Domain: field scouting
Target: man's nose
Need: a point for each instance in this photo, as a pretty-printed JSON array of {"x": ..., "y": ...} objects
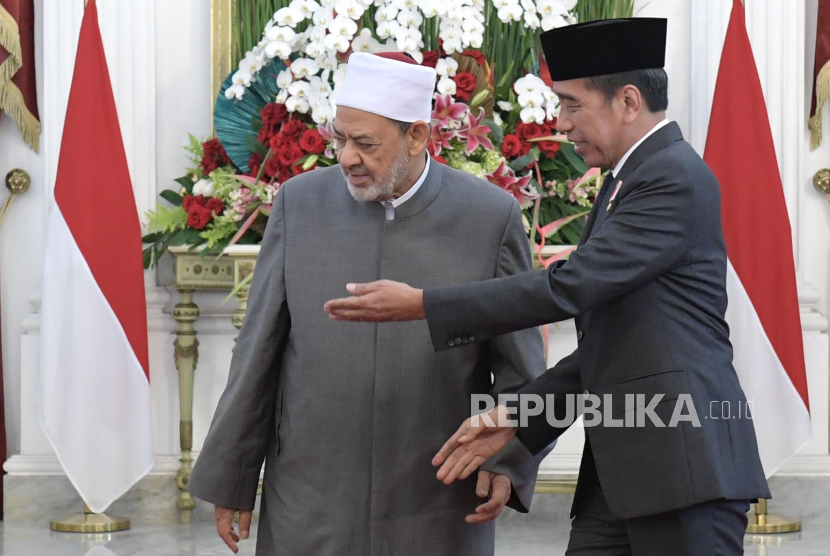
[
  {"x": 348, "y": 156},
  {"x": 563, "y": 123}
]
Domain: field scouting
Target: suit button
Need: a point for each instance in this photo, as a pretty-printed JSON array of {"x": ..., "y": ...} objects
[
  {"x": 472, "y": 339},
  {"x": 465, "y": 340},
  {"x": 579, "y": 335},
  {"x": 450, "y": 343},
  {"x": 458, "y": 341}
]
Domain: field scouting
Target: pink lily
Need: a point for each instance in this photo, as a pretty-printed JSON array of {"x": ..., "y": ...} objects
[
  {"x": 505, "y": 178},
  {"x": 446, "y": 110},
  {"x": 440, "y": 138},
  {"x": 476, "y": 134}
]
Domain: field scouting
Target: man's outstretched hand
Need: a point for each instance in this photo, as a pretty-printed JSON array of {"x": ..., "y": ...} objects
[
  {"x": 475, "y": 441},
  {"x": 382, "y": 301}
]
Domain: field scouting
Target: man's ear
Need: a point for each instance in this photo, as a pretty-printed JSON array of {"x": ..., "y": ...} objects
[
  {"x": 418, "y": 136},
  {"x": 634, "y": 103}
]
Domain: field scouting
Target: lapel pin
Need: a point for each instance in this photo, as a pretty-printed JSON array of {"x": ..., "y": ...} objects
[{"x": 614, "y": 195}]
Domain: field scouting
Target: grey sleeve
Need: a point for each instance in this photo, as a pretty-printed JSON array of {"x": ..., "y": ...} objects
[
  {"x": 515, "y": 360},
  {"x": 228, "y": 468},
  {"x": 648, "y": 233}
]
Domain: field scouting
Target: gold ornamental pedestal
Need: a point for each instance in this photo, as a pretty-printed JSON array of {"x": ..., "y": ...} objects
[
  {"x": 762, "y": 523},
  {"x": 90, "y": 522}
]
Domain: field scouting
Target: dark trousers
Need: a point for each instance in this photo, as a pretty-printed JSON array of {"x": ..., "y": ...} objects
[{"x": 710, "y": 529}]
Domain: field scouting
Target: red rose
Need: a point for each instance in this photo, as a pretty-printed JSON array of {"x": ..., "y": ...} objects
[
  {"x": 284, "y": 175},
  {"x": 529, "y": 131},
  {"x": 478, "y": 55},
  {"x": 215, "y": 205},
  {"x": 273, "y": 166},
  {"x": 198, "y": 217},
  {"x": 273, "y": 114},
  {"x": 189, "y": 200},
  {"x": 255, "y": 161},
  {"x": 511, "y": 147},
  {"x": 430, "y": 58},
  {"x": 465, "y": 81},
  {"x": 264, "y": 135},
  {"x": 214, "y": 156},
  {"x": 550, "y": 148},
  {"x": 279, "y": 141},
  {"x": 293, "y": 128},
  {"x": 312, "y": 142},
  {"x": 290, "y": 154}
]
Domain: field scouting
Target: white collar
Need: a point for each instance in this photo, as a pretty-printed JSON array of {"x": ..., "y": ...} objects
[
  {"x": 414, "y": 189},
  {"x": 623, "y": 160}
]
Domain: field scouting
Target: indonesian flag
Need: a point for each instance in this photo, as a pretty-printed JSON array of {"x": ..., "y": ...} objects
[
  {"x": 93, "y": 388},
  {"x": 763, "y": 313}
]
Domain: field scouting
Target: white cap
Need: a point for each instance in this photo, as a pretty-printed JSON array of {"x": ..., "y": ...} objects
[{"x": 388, "y": 86}]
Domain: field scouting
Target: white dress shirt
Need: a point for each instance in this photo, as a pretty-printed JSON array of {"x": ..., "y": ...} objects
[{"x": 633, "y": 148}]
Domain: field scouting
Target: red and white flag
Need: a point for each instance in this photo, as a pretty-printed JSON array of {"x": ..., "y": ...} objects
[
  {"x": 763, "y": 312},
  {"x": 93, "y": 386}
]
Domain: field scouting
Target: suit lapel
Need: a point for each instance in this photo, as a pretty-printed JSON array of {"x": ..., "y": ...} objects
[{"x": 661, "y": 139}]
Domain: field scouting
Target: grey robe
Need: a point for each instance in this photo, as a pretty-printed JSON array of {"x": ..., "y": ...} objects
[{"x": 348, "y": 416}]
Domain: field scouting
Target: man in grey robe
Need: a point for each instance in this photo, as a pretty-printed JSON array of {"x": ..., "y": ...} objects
[{"x": 348, "y": 417}]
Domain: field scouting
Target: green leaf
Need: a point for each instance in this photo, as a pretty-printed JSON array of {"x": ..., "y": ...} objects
[
  {"x": 171, "y": 197},
  {"x": 520, "y": 163},
  {"x": 576, "y": 161},
  {"x": 148, "y": 257},
  {"x": 255, "y": 146},
  {"x": 496, "y": 130},
  {"x": 149, "y": 238},
  {"x": 187, "y": 183},
  {"x": 256, "y": 123}
]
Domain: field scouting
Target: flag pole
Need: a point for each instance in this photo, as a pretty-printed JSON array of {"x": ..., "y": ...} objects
[
  {"x": 762, "y": 523},
  {"x": 89, "y": 521}
]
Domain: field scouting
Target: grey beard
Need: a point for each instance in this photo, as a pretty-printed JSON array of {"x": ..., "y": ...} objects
[{"x": 385, "y": 186}]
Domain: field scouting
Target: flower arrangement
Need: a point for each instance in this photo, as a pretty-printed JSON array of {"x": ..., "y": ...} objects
[{"x": 494, "y": 113}]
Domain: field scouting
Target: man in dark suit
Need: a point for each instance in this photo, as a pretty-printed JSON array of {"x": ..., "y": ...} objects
[{"x": 647, "y": 287}]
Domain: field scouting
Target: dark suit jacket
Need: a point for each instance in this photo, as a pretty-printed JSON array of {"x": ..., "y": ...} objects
[{"x": 647, "y": 287}]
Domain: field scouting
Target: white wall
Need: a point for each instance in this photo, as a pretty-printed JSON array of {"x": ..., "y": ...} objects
[{"x": 159, "y": 57}]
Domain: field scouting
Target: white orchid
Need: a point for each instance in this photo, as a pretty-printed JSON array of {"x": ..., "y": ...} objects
[
  {"x": 242, "y": 77},
  {"x": 446, "y": 67},
  {"x": 409, "y": 40},
  {"x": 430, "y": 8},
  {"x": 342, "y": 26},
  {"x": 531, "y": 20},
  {"x": 323, "y": 16},
  {"x": 203, "y": 187},
  {"x": 319, "y": 88},
  {"x": 532, "y": 114},
  {"x": 365, "y": 42},
  {"x": 282, "y": 97},
  {"x": 350, "y": 8},
  {"x": 410, "y": 18},
  {"x": 235, "y": 91},
  {"x": 446, "y": 86},
  {"x": 499, "y": 4},
  {"x": 297, "y": 104},
  {"x": 304, "y": 68},
  {"x": 282, "y": 34},
  {"x": 505, "y": 106},
  {"x": 512, "y": 12},
  {"x": 285, "y": 78},
  {"x": 339, "y": 76},
  {"x": 387, "y": 29},
  {"x": 551, "y": 103},
  {"x": 337, "y": 42},
  {"x": 386, "y": 13},
  {"x": 278, "y": 49},
  {"x": 553, "y": 22},
  {"x": 289, "y": 16},
  {"x": 308, "y": 7},
  {"x": 316, "y": 49},
  {"x": 529, "y": 84}
]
